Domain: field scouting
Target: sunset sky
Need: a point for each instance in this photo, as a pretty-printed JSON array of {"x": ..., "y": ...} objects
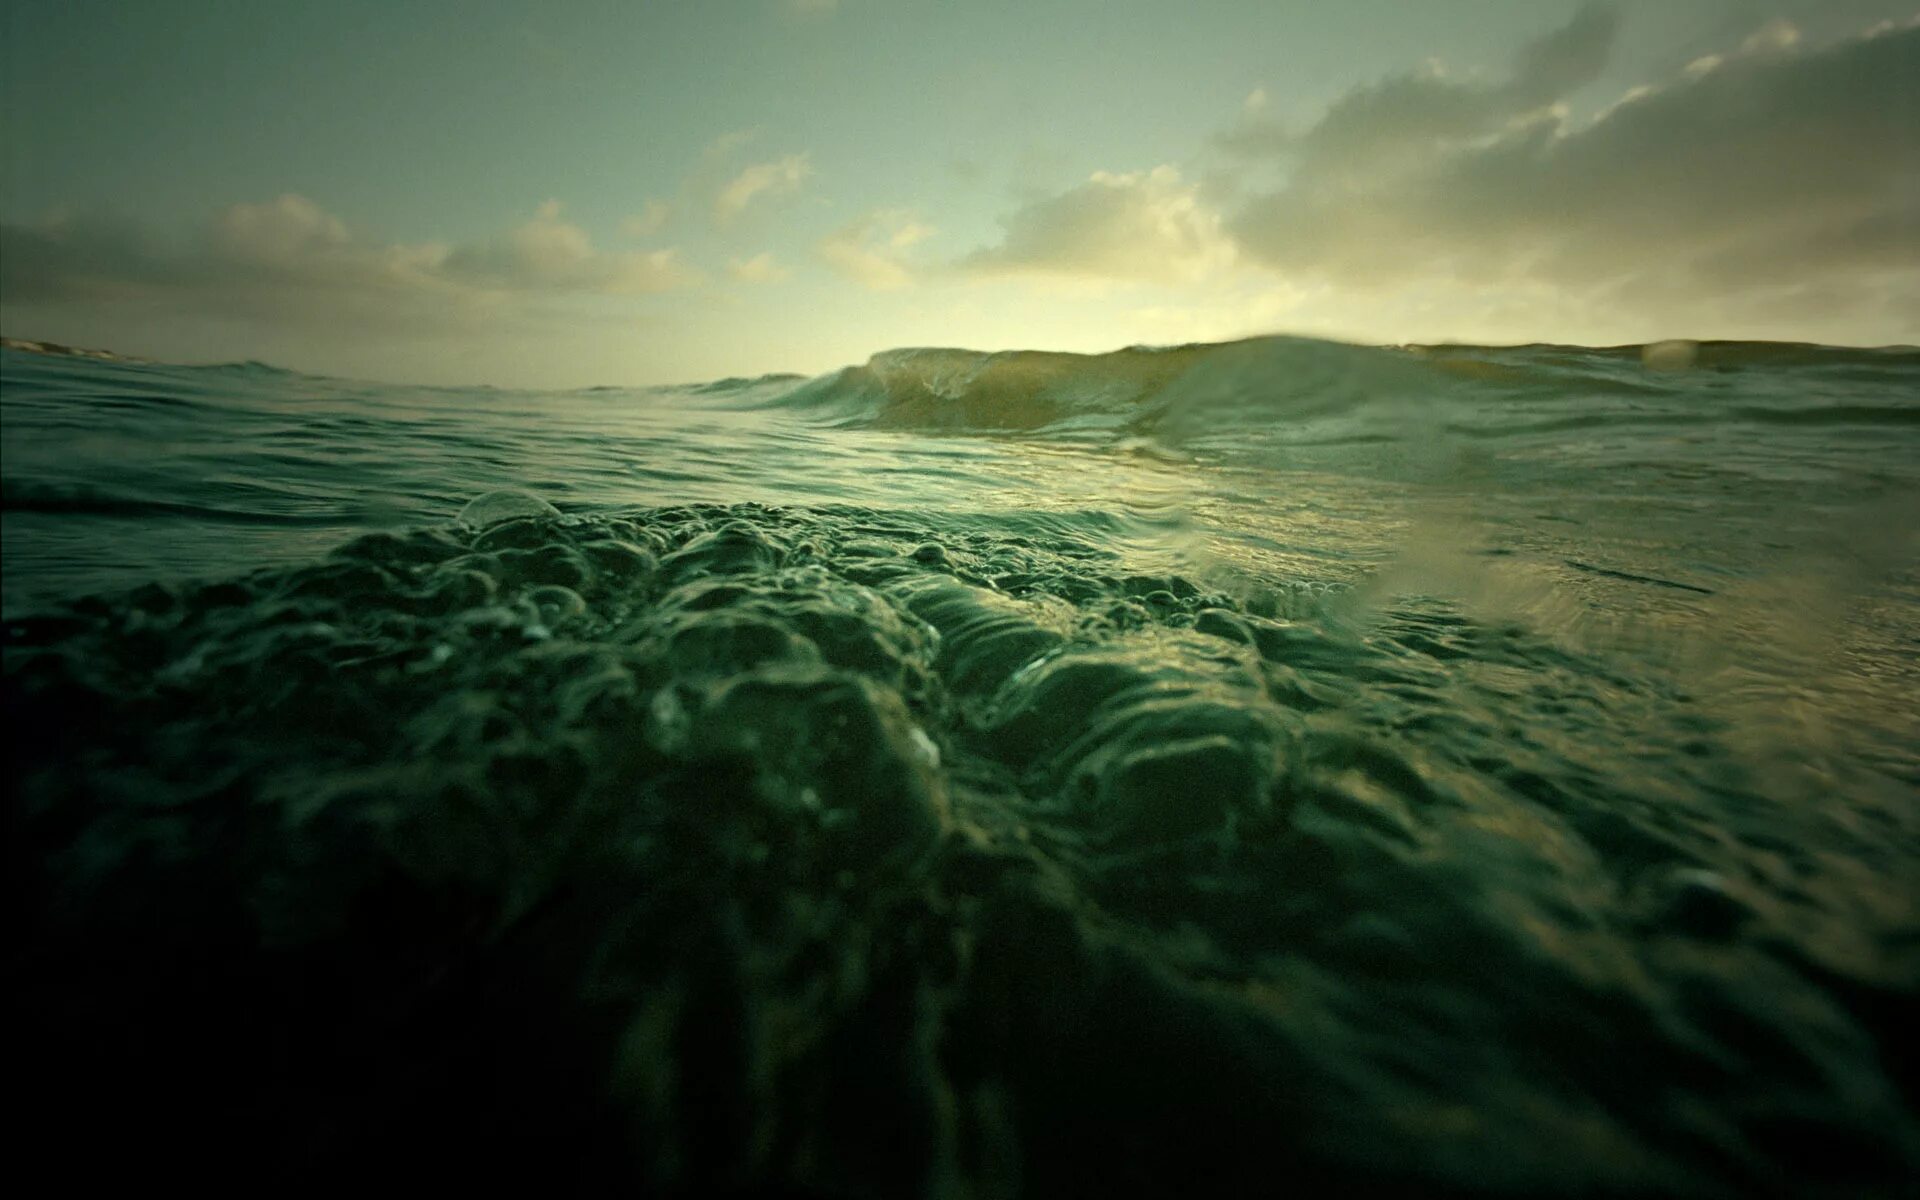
[{"x": 566, "y": 194}]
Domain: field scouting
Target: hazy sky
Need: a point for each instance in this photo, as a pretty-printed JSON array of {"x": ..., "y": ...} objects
[{"x": 574, "y": 193}]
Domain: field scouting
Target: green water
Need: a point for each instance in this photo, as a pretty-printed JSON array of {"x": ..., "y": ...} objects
[{"x": 1277, "y": 766}]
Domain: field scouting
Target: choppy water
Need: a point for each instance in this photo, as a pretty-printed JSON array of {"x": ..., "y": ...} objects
[{"x": 1278, "y": 764}]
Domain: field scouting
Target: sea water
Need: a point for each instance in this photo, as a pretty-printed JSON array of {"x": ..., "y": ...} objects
[{"x": 1280, "y": 764}]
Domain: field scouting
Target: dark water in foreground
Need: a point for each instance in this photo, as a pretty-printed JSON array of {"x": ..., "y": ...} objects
[{"x": 1279, "y": 766}]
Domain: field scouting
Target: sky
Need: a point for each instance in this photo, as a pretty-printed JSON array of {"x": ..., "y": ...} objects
[{"x": 569, "y": 194}]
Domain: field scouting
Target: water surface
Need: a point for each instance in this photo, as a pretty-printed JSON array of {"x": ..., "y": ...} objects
[{"x": 1453, "y": 769}]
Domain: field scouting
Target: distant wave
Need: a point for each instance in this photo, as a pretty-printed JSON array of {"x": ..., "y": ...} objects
[
  {"x": 741, "y": 383},
  {"x": 1732, "y": 355},
  {"x": 61, "y": 350},
  {"x": 937, "y": 388},
  {"x": 1180, "y": 392}
]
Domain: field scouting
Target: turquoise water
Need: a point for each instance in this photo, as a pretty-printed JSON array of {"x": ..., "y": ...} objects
[{"x": 1462, "y": 770}]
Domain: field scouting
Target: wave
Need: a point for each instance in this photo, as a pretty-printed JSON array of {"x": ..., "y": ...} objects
[
  {"x": 1198, "y": 391},
  {"x": 811, "y": 819},
  {"x": 739, "y": 383},
  {"x": 1734, "y": 355},
  {"x": 1182, "y": 393},
  {"x": 24, "y": 496},
  {"x": 61, "y": 350},
  {"x": 1138, "y": 387}
]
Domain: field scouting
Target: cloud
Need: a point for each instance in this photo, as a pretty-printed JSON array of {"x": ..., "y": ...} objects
[
  {"x": 871, "y": 249},
  {"x": 1143, "y": 226},
  {"x": 279, "y": 232},
  {"x": 250, "y": 259},
  {"x": 1769, "y": 166},
  {"x": 287, "y": 261},
  {"x": 648, "y": 221},
  {"x": 761, "y": 268},
  {"x": 725, "y": 185},
  {"x": 1563, "y": 61},
  {"x": 777, "y": 177},
  {"x": 549, "y": 254},
  {"x": 1408, "y": 118},
  {"x": 1417, "y": 113},
  {"x": 1257, "y": 133},
  {"x": 1770, "y": 188}
]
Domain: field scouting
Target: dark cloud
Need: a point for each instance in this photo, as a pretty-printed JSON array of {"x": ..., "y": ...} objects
[
  {"x": 287, "y": 260},
  {"x": 1565, "y": 60},
  {"x": 1416, "y": 113},
  {"x": 550, "y": 254},
  {"x": 64, "y": 262},
  {"x": 1771, "y": 165},
  {"x": 1771, "y": 189}
]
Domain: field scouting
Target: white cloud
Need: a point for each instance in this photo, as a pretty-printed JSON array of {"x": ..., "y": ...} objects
[
  {"x": 725, "y": 184},
  {"x": 1256, "y": 130},
  {"x": 650, "y": 220},
  {"x": 1142, "y": 226},
  {"x": 871, "y": 249},
  {"x": 761, "y": 268},
  {"x": 777, "y": 177}
]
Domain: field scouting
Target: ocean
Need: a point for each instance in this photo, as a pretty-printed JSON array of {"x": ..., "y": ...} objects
[{"x": 1278, "y": 765}]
